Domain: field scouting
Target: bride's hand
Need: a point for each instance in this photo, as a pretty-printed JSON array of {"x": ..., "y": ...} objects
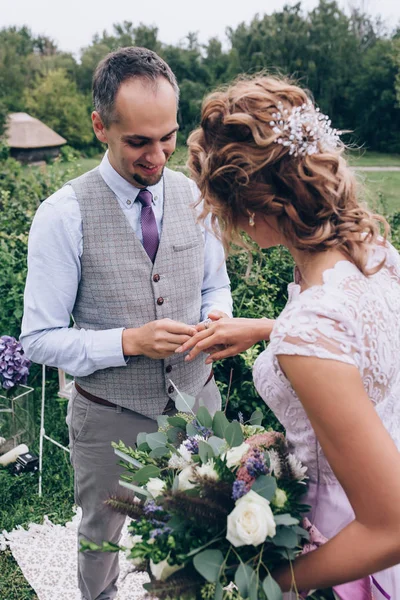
[{"x": 226, "y": 337}]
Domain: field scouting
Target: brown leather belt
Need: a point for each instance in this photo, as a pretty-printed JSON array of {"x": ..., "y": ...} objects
[{"x": 170, "y": 404}]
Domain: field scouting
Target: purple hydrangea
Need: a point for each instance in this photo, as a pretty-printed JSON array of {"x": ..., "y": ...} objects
[
  {"x": 160, "y": 531},
  {"x": 192, "y": 445},
  {"x": 151, "y": 507},
  {"x": 239, "y": 489},
  {"x": 255, "y": 465},
  {"x": 14, "y": 366}
]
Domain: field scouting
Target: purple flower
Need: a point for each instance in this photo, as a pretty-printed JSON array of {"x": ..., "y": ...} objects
[
  {"x": 204, "y": 431},
  {"x": 255, "y": 464},
  {"x": 160, "y": 531},
  {"x": 14, "y": 366},
  {"x": 192, "y": 445},
  {"x": 239, "y": 489},
  {"x": 151, "y": 507}
]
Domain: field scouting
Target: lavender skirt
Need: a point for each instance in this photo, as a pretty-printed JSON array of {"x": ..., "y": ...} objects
[{"x": 330, "y": 512}]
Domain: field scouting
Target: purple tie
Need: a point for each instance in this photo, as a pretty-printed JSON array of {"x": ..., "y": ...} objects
[{"x": 149, "y": 225}]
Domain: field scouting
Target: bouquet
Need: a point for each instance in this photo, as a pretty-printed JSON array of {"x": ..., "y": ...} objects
[
  {"x": 14, "y": 366},
  {"x": 217, "y": 506}
]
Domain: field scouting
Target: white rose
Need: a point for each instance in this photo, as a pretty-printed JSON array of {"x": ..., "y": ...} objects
[
  {"x": 155, "y": 486},
  {"x": 208, "y": 470},
  {"x": 235, "y": 455},
  {"x": 185, "y": 479},
  {"x": 251, "y": 521},
  {"x": 163, "y": 570}
]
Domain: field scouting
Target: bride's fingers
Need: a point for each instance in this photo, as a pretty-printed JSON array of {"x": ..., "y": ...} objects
[
  {"x": 228, "y": 351},
  {"x": 198, "y": 337},
  {"x": 207, "y": 344}
]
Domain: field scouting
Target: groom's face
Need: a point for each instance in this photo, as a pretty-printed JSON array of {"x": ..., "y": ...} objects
[{"x": 143, "y": 136}]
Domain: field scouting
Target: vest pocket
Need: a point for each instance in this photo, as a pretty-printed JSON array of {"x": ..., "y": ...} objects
[{"x": 186, "y": 246}]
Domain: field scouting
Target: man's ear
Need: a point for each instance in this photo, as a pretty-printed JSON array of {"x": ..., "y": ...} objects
[{"x": 98, "y": 127}]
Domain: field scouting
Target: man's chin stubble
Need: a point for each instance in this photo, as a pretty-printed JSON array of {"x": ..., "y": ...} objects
[{"x": 143, "y": 181}]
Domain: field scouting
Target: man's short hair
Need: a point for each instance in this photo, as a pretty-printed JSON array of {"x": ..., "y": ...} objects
[{"x": 121, "y": 65}]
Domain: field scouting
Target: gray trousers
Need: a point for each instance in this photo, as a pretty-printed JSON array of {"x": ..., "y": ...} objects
[{"x": 92, "y": 428}]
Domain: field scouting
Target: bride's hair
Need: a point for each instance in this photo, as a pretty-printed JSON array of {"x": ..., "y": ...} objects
[{"x": 242, "y": 165}]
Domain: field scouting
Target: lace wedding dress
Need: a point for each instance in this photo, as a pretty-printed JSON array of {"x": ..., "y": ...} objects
[{"x": 356, "y": 320}]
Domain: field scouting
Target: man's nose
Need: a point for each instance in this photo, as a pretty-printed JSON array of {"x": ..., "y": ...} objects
[{"x": 156, "y": 155}]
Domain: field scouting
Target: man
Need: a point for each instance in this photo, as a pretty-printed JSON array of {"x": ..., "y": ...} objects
[{"x": 119, "y": 249}]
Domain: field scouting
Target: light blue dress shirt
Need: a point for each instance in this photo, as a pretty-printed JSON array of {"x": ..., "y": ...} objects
[{"x": 54, "y": 271}]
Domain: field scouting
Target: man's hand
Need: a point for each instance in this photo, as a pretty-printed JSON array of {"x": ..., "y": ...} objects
[{"x": 157, "y": 339}]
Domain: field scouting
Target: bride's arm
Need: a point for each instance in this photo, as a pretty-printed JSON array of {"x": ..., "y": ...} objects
[
  {"x": 227, "y": 337},
  {"x": 365, "y": 461}
]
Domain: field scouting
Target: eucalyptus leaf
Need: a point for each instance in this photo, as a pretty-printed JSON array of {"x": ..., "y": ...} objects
[
  {"x": 144, "y": 447},
  {"x": 272, "y": 589},
  {"x": 191, "y": 430},
  {"x": 205, "y": 451},
  {"x": 162, "y": 421},
  {"x": 159, "y": 452},
  {"x": 265, "y": 486},
  {"x": 285, "y": 519},
  {"x": 217, "y": 444},
  {"x": 177, "y": 524},
  {"x": 243, "y": 578},
  {"x": 184, "y": 402},
  {"x": 234, "y": 434},
  {"x": 143, "y": 475},
  {"x": 155, "y": 440},
  {"x": 285, "y": 536},
  {"x": 208, "y": 564},
  {"x": 173, "y": 434},
  {"x": 220, "y": 423},
  {"x": 300, "y": 531},
  {"x": 177, "y": 422},
  {"x": 256, "y": 418},
  {"x": 204, "y": 417},
  {"x": 141, "y": 438}
]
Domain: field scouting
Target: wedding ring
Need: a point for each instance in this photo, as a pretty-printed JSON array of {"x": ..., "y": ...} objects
[{"x": 207, "y": 323}]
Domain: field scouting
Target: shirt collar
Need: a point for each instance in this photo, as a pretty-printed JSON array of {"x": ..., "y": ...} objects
[{"x": 125, "y": 190}]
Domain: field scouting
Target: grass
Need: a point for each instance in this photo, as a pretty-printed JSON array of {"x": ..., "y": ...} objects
[{"x": 363, "y": 158}]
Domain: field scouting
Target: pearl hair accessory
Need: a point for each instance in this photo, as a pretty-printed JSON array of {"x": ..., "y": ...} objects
[{"x": 304, "y": 129}]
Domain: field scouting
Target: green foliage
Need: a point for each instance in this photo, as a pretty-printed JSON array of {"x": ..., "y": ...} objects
[
  {"x": 262, "y": 293},
  {"x": 55, "y": 100}
]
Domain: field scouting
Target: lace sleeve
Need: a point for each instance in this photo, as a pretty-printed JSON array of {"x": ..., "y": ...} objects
[{"x": 313, "y": 329}]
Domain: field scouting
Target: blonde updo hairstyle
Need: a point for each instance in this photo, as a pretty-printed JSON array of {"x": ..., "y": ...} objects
[{"x": 240, "y": 169}]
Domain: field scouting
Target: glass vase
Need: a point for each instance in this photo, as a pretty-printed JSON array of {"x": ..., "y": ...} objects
[{"x": 16, "y": 420}]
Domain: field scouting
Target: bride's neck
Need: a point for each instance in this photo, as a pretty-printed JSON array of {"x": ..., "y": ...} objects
[{"x": 311, "y": 266}]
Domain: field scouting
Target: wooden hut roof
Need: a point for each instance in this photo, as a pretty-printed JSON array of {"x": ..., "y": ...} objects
[{"x": 24, "y": 131}]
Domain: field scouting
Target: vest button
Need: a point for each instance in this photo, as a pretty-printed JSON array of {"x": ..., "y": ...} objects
[
  {"x": 156, "y": 277},
  {"x": 168, "y": 369},
  {"x": 160, "y": 301},
  {"x": 170, "y": 389}
]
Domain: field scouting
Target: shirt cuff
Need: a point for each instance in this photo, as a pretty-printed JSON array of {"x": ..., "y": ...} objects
[{"x": 107, "y": 348}]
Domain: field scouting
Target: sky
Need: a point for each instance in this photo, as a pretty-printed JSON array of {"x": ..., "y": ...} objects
[{"x": 72, "y": 23}]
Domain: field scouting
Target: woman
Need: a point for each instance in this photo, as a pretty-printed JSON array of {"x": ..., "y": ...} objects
[{"x": 268, "y": 163}]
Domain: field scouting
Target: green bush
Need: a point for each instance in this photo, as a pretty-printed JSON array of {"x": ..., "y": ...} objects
[{"x": 21, "y": 191}]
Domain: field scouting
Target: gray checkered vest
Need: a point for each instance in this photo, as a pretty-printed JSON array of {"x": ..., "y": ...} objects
[{"x": 121, "y": 287}]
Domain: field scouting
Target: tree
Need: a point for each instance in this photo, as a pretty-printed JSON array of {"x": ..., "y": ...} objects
[{"x": 55, "y": 100}]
